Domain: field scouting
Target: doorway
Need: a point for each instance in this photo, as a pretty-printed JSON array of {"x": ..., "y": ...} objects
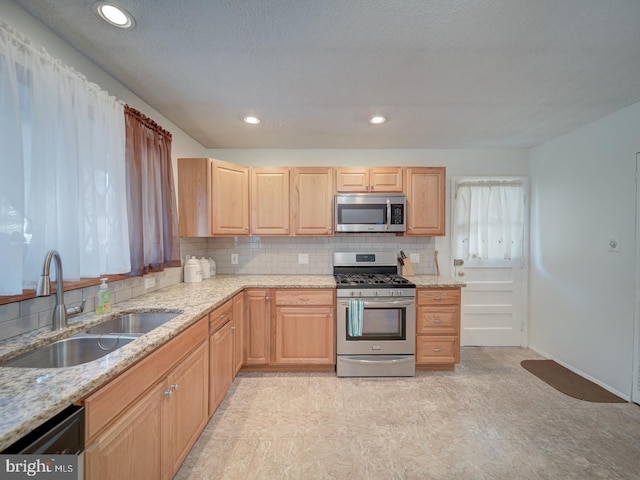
[{"x": 490, "y": 231}]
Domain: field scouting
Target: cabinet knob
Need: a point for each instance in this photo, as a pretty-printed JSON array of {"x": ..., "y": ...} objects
[
  {"x": 233, "y": 328},
  {"x": 175, "y": 386},
  {"x": 169, "y": 393},
  {"x": 437, "y": 297},
  {"x": 267, "y": 298}
]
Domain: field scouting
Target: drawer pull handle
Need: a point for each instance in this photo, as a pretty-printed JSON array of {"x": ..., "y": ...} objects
[
  {"x": 304, "y": 299},
  {"x": 437, "y": 320},
  {"x": 436, "y": 349},
  {"x": 437, "y": 297}
]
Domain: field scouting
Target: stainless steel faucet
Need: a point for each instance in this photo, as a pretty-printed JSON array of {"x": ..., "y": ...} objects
[{"x": 60, "y": 313}]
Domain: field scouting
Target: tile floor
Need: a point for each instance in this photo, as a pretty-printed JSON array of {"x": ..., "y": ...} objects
[{"x": 490, "y": 419}]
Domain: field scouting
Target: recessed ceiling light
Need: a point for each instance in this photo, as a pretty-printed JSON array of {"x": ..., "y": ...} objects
[
  {"x": 251, "y": 120},
  {"x": 377, "y": 120},
  {"x": 114, "y": 15}
]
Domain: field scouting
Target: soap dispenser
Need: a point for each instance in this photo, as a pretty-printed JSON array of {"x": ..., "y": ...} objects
[{"x": 103, "y": 298}]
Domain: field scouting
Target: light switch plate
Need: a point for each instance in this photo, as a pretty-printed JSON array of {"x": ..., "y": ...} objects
[
  {"x": 149, "y": 282},
  {"x": 414, "y": 257},
  {"x": 303, "y": 258},
  {"x": 234, "y": 259}
]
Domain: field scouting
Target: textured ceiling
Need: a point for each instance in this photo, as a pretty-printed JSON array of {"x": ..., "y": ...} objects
[{"x": 446, "y": 73}]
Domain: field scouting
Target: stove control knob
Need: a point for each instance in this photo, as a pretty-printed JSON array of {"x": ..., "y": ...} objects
[
  {"x": 359, "y": 294},
  {"x": 399, "y": 293},
  {"x": 352, "y": 293},
  {"x": 375, "y": 294}
]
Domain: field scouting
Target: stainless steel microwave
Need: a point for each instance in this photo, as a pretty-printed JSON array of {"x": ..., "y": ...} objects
[{"x": 370, "y": 212}]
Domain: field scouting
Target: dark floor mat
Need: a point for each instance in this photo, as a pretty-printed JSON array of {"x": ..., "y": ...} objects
[{"x": 568, "y": 382}]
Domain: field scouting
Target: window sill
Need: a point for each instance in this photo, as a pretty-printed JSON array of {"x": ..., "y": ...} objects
[{"x": 83, "y": 282}]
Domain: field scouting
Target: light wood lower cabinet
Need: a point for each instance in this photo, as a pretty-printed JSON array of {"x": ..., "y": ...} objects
[
  {"x": 257, "y": 327},
  {"x": 220, "y": 365},
  {"x": 143, "y": 423},
  {"x": 237, "y": 327},
  {"x": 437, "y": 328},
  {"x": 304, "y": 330}
]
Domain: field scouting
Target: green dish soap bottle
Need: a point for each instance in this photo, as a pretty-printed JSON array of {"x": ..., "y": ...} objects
[{"x": 103, "y": 298}]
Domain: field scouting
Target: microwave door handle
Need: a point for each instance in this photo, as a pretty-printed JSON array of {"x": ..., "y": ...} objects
[{"x": 388, "y": 214}]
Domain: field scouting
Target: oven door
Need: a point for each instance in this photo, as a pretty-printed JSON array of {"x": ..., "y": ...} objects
[{"x": 388, "y": 327}]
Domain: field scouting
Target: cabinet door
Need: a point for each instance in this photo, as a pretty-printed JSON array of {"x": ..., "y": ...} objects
[
  {"x": 312, "y": 201},
  {"x": 194, "y": 194},
  {"x": 270, "y": 201},
  {"x": 238, "y": 332},
  {"x": 385, "y": 179},
  {"x": 304, "y": 335},
  {"x": 220, "y": 366},
  {"x": 188, "y": 405},
  {"x": 352, "y": 179},
  {"x": 425, "y": 201},
  {"x": 257, "y": 331},
  {"x": 229, "y": 198},
  {"x": 133, "y": 446}
]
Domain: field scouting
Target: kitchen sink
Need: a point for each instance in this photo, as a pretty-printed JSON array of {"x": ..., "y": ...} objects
[
  {"x": 133, "y": 323},
  {"x": 81, "y": 348}
]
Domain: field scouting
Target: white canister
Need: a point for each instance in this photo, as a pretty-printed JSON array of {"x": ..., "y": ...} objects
[
  {"x": 192, "y": 270},
  {"x": 206, "y": 268},
  {"x": 212, "y": 266}
]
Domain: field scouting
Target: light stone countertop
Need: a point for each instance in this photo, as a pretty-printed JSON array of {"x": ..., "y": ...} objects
[{"x": 30, "y": 396}]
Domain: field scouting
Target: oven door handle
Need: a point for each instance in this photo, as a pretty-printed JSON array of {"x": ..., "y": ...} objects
[
  {"x": 374, "y": 362},
  {"x": 382, "y": 304}
]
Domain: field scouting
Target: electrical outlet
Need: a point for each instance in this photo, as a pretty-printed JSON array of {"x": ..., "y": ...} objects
[
  {"x": 149, "y": 282},
  {"x": 234, "y": 259},
  {"x": 303, "y": 258},
  {"x": 414, "y": 257}
]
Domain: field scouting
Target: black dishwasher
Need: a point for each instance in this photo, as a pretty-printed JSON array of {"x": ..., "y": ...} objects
[{"x": 61, "y": 435}]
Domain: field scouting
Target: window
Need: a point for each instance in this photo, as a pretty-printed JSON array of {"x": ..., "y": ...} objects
[
  {"x": 488, "y": 220},
  {"x": 64, "y": 184}
]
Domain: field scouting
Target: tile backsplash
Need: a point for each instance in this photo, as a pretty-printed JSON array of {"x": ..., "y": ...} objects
[
  {"x": 279, "y": 255},
  {"x": 256, "y": 255},
  {"x": 22, "y": 317}
]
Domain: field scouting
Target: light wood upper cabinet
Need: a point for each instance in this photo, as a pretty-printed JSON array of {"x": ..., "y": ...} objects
[
  {"x": 312, "y": 201},
  {"x": 213, "y": 198},
  {"x": 270, "y": 201},
  {"x": 230, "y": 183},
  {"x": 369, "y": 179},
  {"x": 425, "y": 189}
]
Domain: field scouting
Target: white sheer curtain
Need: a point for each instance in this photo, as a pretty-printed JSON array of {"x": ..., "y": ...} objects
[
  {"x": 488, "y": 220},
  {"x": 63, "y": 183}
]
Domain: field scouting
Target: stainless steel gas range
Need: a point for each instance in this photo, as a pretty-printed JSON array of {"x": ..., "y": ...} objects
[{"x": 375, "y": 331}]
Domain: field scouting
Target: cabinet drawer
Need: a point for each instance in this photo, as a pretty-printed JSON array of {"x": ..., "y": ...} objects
[
  {"x": 304, "y": 297},
  {"x": 438, "y": 320},
  {"x": 431, "y": 350},
  {"x": 429, "y": 296},
  {"x": 220, "y": 316}
]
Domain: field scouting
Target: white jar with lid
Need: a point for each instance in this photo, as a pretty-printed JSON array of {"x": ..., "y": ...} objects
[
  {"x": 206, "y": 272},
  {"x": 192, "y": 270}
]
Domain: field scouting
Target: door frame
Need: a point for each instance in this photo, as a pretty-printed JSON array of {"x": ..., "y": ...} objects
[
  {"x": 524, "y": 263},
  {"x": 635, "y": 377}
]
